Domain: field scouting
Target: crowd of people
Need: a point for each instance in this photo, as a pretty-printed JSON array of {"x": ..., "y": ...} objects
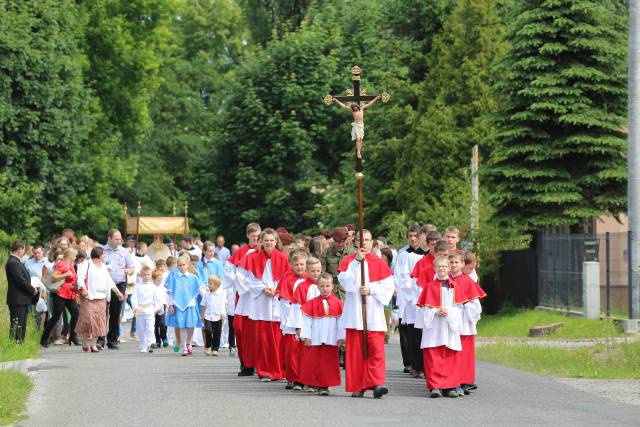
[{"x": 291, "y": 308}]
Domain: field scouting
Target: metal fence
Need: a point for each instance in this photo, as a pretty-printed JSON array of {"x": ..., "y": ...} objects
[{"x": 560, "y": 261}]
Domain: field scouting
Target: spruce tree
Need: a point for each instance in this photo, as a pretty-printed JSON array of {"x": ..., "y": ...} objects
[
  {"x": 456, "y": 97},
  {"x": 561, "y": 154}
]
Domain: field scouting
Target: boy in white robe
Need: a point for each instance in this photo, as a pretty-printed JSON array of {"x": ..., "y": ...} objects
[{"x": 146, "y": 302}]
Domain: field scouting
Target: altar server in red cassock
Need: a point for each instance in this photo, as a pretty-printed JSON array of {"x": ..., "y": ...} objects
[
  {"x": 471, "y": 310},
  {"x": 439, "y": 316},
  {"x": 242, "y": 324},
  {"x": 260, "y": 272},
  {"x": 321, "y": 366},
  {"x": 305, "y": 291},
  {"x": 286, "y": 288},
  {"x": 370, "y": 373}
]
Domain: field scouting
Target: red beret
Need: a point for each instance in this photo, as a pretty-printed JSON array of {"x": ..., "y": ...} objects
[
  {"x": 340, "y": 233},
  {"x": 285, "y": 237}
]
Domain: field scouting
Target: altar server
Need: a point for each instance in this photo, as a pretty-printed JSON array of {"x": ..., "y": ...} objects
[
  {"x": 242, "y": 324},
  {"x": 471, "y": 311},
  {"x": 320, "y": 330},
  {"x": 439, "y": 315},
  {"x": 370, "y": 373},
  {"x": 260, "y": 273},
  {"x": 286, "y": 288}
]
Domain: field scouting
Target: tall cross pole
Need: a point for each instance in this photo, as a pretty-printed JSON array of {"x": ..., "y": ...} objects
[{"x": 359, "y": 95}]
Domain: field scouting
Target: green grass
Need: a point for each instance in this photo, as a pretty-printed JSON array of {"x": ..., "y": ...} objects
[
  {"x": 9, "y": 350},
  {"x": 14, "y": 391},
  {"x": 516, "y": 323},
  {"x": 610, "y": 361}
]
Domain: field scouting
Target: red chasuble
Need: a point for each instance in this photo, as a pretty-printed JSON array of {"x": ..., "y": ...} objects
[
  {"x": 237, "y": 258},
  {"x": 323, "y": 306},
  {"x": 300, "y": 295},
  {"x": 378, "y": 268},
  {"x": 469, "y": 288},
  {"x": 431, "y": 295},
  {"x": 285, "y": 286},
  {"x": 255, "y": 263},
  {"x": 424, "y": 271}
]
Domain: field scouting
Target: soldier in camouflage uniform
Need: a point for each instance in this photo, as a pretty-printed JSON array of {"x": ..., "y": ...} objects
[{"x": 333, "y": 255}]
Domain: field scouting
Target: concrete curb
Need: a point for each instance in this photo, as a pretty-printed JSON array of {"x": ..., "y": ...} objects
[{"x": 24, "y": 365}]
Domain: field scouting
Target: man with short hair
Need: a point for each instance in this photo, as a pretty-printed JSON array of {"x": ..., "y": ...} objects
[
  {"x": 187, "y": 245},
  {"x": 370, "y": 373},
  {"x": 222, "y": 252},
  {"x": 333, "y": 255},
  {"x": 34, "y": 265},
  {"x": 120, "y": 264},
  {"x": 20, "y": 293}
]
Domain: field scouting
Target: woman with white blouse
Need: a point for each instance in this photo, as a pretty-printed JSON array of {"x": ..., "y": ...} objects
[{"x": 95, "y": 284}]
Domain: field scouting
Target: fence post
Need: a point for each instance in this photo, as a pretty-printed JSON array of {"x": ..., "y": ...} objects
[{"x": 608, "y": 273}]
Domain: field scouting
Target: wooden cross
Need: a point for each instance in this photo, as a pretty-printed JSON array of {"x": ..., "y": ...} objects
[{"x": 359, "y": 95}]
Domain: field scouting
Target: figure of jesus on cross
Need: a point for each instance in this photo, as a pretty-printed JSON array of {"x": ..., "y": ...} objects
[
  {"x": 357, "y": 127},
  {"x": 353, "y": 102}
]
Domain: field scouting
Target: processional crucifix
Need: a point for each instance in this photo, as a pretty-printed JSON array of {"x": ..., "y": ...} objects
[{"x": 356, "y": 97}]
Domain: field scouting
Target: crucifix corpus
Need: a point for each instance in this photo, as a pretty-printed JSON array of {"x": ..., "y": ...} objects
[{"x": 356, "y": 97}]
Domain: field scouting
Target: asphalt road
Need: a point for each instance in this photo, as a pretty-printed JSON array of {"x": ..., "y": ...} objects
[{"x": 124, "y": 387}]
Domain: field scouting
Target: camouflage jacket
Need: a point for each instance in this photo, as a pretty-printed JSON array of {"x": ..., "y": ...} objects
[{"x": 331, "y": 259}]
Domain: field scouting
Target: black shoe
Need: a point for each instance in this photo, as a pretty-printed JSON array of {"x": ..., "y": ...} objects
[
  {"x": 44, "y": 344},
  {"x": 324, "y": 391},
  {"x": 452, "y": 393},
  {"x": 113, "y": 346},
  {"x": 436, "y": 393},
  {"x": 379, "y": 391},
  {"x": 465, "y": 389},
  {"x": 357, "y": 394},
  {"x": 74, "y": 340},
  {"x": 406, "y": 370},
  {"x": 289, "y": 386},
  {"x": 99, "y": 346},
  {"x": 245, "y": 372},
  {"x": 472, "y": 386}
]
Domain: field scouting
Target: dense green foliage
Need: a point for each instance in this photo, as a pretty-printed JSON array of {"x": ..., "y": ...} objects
[
  {"x": 219, "y": 103},
  {"x": 560, "y": 157}
]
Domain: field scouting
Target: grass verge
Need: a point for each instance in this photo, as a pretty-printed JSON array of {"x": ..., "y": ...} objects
[
  {"x": 516, "y": 323},
  {"x": 603, "y": 361},
  {"x": 14, "y": 391},
  {"x": 9, "y": 350}
]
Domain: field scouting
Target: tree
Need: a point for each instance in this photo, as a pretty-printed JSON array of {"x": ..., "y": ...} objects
[
  {"x": 456, "y": 98},
  {"x": 561, "y": 146},
  {"x": 273, "y": 134},
  {"x": 46, "y": 119}
]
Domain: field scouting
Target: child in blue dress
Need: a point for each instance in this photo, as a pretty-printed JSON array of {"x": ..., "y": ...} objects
[{"x": 183, "y": 289}]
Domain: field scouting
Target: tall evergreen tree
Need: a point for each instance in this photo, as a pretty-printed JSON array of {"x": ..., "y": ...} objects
[
  {"x": 456, "y": 97},
  {"x": 561, "y": 155}
]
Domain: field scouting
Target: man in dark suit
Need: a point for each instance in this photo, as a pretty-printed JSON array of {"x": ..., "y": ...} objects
[{"x": 20, "y": 293}]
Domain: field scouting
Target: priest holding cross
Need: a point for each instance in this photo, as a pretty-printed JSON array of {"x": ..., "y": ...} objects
[{"x": 366, "y": 279}]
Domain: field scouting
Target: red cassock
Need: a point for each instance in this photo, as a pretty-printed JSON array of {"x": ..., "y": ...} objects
[
  {"x": 364, "y": 374},
  {"x": 297, "y": 350},
  {"x": 466, "y": 359},
  {"x": 262, "y": 337},
  {"x": 239, "y": 320},
  {"x": 290, "y": 342},
  {"x": 441, "y": 364},
  {"x": 321, "y": 366}
]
